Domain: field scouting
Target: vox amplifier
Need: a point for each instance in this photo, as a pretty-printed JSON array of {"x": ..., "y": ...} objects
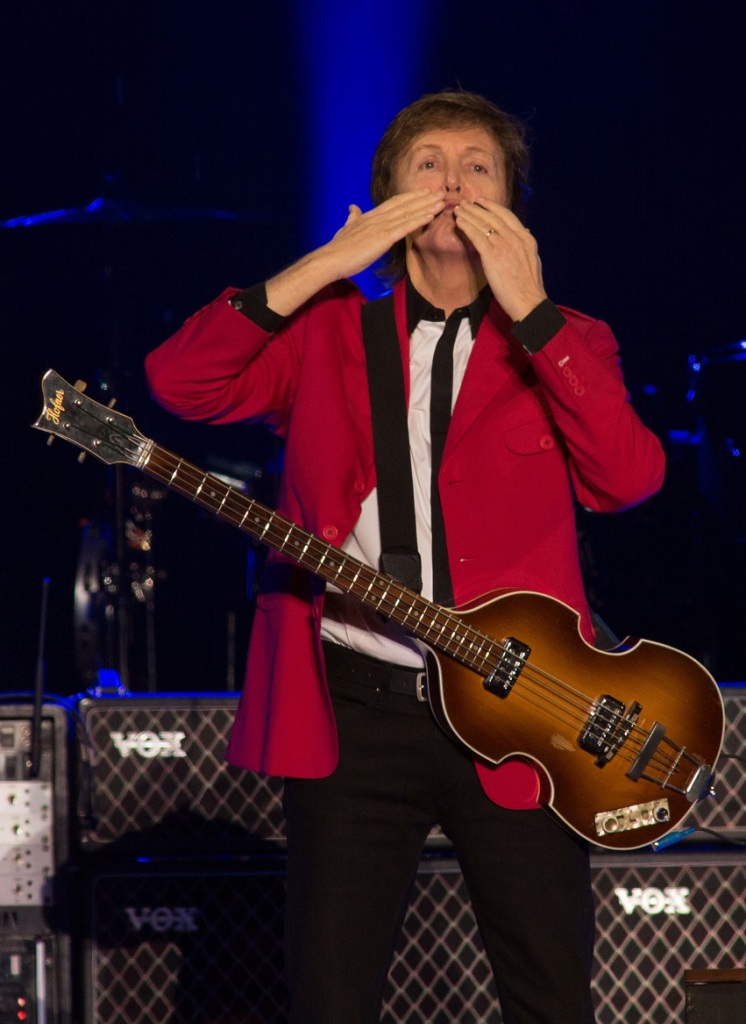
[
  {"x": 152, "y": 778},
  {"x": 727, "y": 812}
]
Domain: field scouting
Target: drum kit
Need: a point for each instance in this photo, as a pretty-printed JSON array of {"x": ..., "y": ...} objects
[{"x": 119, "y": 568}]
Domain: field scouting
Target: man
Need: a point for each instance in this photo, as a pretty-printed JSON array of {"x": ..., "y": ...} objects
[{"x": 540, "y": 418}]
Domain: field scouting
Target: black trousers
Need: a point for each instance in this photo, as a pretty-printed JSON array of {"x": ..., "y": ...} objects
[{"x": 354, "y": 841}]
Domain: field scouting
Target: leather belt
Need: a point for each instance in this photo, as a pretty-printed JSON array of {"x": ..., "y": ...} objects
[{"x": 381, "y": 676}]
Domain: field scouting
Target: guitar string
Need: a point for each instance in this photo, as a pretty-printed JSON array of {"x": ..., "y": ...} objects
[
  {"x": 462, "y": 653},
  {"x": 279, "y": 533}
]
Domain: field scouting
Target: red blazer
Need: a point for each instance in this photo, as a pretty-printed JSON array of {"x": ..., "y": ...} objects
[{"x": 530, "y": 435}]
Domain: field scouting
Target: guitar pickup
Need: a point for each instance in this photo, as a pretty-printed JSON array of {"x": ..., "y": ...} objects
[
  {"x": 607, "y": 727},
  {"x": 501, "y": 679}
]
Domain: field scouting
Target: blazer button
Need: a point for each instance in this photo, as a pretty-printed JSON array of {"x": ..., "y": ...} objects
[
  {"x": 329, "y": 532},
  {"x": 359, "y": 486},
  {"x": 546, "y": 441}
]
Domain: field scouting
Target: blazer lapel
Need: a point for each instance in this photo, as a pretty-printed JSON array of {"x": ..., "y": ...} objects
[
  {"x": 400, "y": 315},
  {"x": 495, "y": 359}
]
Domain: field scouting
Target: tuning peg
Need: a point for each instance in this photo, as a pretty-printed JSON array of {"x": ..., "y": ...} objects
[{"x": 80, "y": 385}]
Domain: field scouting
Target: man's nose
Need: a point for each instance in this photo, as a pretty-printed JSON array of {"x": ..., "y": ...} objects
[{"x": 453, "y": 179}]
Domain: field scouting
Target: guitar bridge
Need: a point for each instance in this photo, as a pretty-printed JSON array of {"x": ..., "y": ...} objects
[
  {"x": 674, "y": 757},
  {"x": 501, "y": 679}
]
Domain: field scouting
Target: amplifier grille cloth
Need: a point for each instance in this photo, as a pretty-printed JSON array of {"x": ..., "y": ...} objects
[{"x": 728, "y": 810}]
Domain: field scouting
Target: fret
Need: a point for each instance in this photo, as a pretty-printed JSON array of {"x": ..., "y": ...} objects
[
  {"x": 176, "y": 470},
  {"x": 452, "y": 638},
  {"x": 219, "y": 509},
  {"x": 407, "y": 613},
  {"x": 281, "y": 544},
  {"x": 382, "y": 598}
]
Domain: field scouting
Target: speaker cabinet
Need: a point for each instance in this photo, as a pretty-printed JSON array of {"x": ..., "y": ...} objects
[
  {"x": 659, "y": 915},
  {"x": 187, "y": 945},
  {"x": 727, "y": 812},
  {"x": 154, "y": 779},
  {"x": 181, "y": 944}
]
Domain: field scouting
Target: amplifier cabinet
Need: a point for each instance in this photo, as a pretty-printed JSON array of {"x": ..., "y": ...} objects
[
  {"x": 183, "y": 945},
  {"x": 659, "y": 915},
  {"x": 152, "y": 779},
  {"x": 727, "y": 812}
]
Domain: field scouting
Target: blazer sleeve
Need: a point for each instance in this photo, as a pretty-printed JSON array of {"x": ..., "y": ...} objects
[
  {"x": 615, "y": 460},
  {"x": 222, "y": 367}
]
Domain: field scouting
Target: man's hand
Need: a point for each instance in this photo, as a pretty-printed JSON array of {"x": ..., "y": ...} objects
[
  {"x": 365, "y": 237},
  {"x": 362, "y": 240},
  {"x": 509, "y": 254}
]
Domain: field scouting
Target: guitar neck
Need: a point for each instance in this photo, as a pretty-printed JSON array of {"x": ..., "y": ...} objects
[{"x": 429, "y": 622}]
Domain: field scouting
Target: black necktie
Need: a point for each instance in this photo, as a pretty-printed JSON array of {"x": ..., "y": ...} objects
[{"x": 440, "y": 416}]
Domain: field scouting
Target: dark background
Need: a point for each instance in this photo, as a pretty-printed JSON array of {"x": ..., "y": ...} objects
[{"x": 177, "y": 112}]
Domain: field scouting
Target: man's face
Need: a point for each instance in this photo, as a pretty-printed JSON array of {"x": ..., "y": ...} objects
[{"x": 465, "y": 163}]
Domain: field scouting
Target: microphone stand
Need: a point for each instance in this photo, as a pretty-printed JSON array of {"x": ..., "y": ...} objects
[{"x": 35, "y": 755}]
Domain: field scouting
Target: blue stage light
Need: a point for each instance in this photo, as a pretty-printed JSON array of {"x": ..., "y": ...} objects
[{"x": 362, "y": 65}]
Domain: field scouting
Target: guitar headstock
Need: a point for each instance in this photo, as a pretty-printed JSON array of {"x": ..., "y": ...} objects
[{"x": 110, "y": 436}]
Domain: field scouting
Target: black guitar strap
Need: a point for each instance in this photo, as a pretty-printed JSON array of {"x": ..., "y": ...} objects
[{"x": 400, "y": 558}]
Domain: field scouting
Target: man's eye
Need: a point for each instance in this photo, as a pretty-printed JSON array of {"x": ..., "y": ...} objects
[
  {"x": 427, "y": 165},
  {"x": 481, "y": 169}
]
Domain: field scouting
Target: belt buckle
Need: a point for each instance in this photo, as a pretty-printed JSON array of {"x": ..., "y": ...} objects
[{"x": 421, "y": 686}]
